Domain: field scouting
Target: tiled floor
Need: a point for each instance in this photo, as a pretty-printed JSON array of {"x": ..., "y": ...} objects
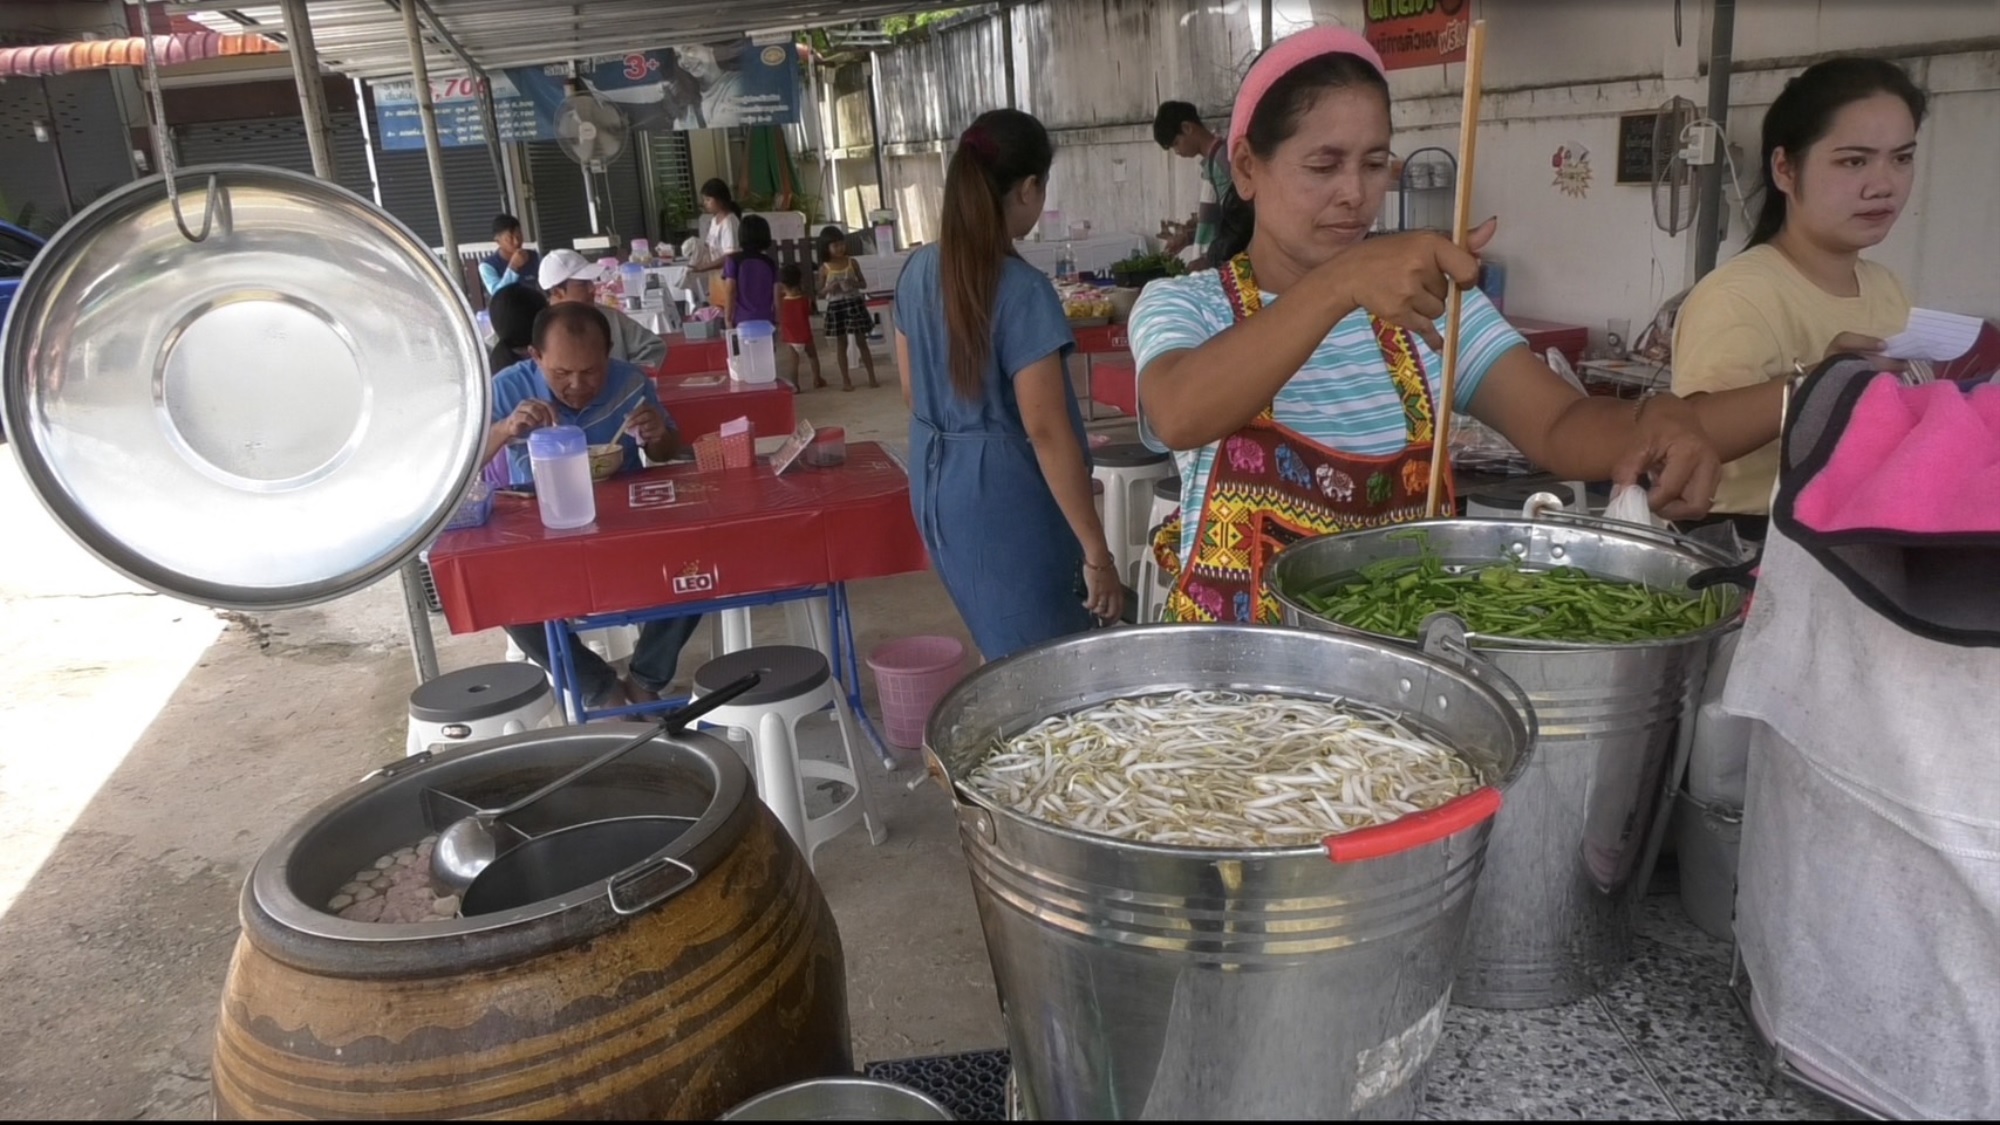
[{"x": 1667, "y": 1042}]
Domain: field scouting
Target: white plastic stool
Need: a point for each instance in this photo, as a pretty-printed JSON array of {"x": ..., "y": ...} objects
[
  {"x": 1152, "y": 586},
  {"x": 806, "y": 620},
  {"x": 484, "y": 701},
  {"x": 797, "y": 682},
  {"x": 1128, "y": 471}
]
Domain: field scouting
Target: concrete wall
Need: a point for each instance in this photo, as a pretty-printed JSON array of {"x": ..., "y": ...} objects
[{"x": 1559, "y": 73}]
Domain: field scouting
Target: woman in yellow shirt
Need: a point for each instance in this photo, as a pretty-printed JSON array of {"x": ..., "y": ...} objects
[{"x": 1839, "y": 158}]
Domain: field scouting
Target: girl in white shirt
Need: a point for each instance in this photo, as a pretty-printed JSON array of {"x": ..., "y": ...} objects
[{"x": 723, "y": 236}]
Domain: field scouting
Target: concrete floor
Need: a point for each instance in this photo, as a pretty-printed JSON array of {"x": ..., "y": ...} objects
[{"x": 150, "y": 750}]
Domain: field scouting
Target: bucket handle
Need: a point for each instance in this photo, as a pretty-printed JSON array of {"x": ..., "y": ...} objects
[
  {"x": 1444, "y": 636},
  {"x": 641, "y": 871},
  {"x": 1415, "y": 830},
  {"x": 1634, "y": 530}
]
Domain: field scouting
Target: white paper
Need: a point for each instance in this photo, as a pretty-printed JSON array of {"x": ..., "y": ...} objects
[{"x": 1934, "y": 336}]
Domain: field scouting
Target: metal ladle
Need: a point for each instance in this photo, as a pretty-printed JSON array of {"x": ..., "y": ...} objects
[{"x": 467, "y": 847}]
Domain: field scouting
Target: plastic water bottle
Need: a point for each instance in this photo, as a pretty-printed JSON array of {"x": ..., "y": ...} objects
[
  {"x": 1066, "y": 265},
  {"x": 560, "y": 459}
]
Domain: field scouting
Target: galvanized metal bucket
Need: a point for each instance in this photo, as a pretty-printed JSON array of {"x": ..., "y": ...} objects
[
  {"x": 1146, "y": 981},
  {"x": 1574, "y": 850}
]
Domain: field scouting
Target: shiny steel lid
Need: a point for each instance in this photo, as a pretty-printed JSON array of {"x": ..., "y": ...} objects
[{"x": 273, "y": 416}]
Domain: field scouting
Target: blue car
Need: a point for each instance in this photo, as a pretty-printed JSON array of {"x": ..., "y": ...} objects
[{"x": 17, "y": 248}]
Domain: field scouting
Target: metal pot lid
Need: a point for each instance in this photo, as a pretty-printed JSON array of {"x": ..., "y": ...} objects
[{"x": 273, "y": 416}]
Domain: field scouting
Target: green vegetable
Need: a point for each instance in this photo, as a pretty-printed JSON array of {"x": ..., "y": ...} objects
[
  {"x": 1143, "y": 262},
  {"x": 1503, "y": 599}
]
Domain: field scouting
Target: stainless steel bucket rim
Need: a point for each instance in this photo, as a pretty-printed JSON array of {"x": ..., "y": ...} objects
[
  {"x": 971, "y": 803},
  {"x": 1488, "y": 643}
]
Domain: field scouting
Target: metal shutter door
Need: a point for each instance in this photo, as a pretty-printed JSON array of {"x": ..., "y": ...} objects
[
  {"x": 278, "y": 142},
  {"x": 562, "y": 211},
  {"x": 405, "y": 178},
  {"x": 92, "y": 133}
]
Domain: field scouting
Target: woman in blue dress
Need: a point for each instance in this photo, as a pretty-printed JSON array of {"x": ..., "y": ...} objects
[{"x": 999, "y": 476}]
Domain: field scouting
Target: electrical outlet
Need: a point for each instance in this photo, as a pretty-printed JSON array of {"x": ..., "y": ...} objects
[{"x": 1701, "y": 144}]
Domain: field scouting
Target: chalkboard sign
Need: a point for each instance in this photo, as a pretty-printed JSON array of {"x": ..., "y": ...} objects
[{"x": 1637, "y": 163}]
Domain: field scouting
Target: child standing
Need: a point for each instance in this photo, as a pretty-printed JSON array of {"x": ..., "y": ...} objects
[
  {"x": 795, "y": 323},
  {"x": 846, "y": 307}
]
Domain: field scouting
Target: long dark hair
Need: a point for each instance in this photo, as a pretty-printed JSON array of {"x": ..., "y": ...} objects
[
  {"x": 1002, "y": 148},
  {"x": 1804, "y": 111},
  {"x": 717, "y": 190},
  {"x": 754, "y": 236},
  {"x": 1274, "y": 121}
]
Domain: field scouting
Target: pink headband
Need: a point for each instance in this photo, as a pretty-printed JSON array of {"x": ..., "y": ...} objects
[{"x": 1284, "y": 57}]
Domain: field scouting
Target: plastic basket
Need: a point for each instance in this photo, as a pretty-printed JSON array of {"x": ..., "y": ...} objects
[
  {"x": 474, "y": 510},
  {"x": 911, "y": 675}
]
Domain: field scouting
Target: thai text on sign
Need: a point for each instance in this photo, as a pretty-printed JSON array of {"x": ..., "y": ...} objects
[{"x": 1411, "y": 33}]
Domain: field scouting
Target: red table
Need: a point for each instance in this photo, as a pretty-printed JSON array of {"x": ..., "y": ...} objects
[
  {"x": 699, "y": 410},
  {"x": 1569, "y": 339},
  {"x": 692, "y": 357},
  {"x": 728, "y": 534}
]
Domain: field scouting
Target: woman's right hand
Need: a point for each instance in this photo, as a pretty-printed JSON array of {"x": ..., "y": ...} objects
[
  {"x": 1403, "y": 279},
  {"x": 1104, "y": 594}
]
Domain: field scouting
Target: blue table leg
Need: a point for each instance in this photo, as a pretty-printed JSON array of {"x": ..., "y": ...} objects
[
  {"x": 847, "y": 665},
  {"x": 562, "y": 669}
]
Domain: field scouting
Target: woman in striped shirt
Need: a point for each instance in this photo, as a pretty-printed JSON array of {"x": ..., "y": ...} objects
[{"x": 1298, "y": 384}]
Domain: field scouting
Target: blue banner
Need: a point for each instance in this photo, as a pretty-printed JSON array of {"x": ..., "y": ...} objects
[{"x": 697, "y": 86}]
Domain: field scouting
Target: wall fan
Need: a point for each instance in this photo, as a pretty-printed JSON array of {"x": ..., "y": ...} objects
[
  {"x": 1673, "y": 176},
  {"x": 592, "y": 133}
]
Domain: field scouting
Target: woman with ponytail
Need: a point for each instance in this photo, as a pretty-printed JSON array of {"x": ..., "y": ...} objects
[
  {"x": 1300, "y": 382},
  {"x": 999, "y": 477},
  {"x": 1840, "y": 146}
]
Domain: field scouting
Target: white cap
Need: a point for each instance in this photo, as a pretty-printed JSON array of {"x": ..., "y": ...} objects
[{"x": 559, "y": 266}]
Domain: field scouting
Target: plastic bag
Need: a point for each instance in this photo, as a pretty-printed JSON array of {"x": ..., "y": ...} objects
[{"x": 1628, "y": 503}]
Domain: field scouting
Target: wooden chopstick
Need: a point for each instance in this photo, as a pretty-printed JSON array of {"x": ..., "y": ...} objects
[{"x": 1461, "y": 229}]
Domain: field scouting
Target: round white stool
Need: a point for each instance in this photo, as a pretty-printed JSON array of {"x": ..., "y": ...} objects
[
  {"x": 807, "y": 620},
  {"x": 1128, "y": 471},
  {"x": 796, "y": 682},
  {"x": 484, "y": 701}
]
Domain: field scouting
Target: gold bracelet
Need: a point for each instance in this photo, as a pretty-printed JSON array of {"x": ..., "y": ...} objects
[{"x": 1113, "y": 565}]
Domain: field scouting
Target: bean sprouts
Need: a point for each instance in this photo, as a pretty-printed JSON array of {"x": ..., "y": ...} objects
[{"x": 1221, "y": 769}]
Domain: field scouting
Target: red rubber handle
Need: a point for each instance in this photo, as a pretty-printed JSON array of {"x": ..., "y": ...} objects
[{"x": 1414, "y": 830}]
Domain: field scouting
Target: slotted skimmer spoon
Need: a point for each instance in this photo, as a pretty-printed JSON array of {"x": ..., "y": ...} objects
[{"x": 467, "y": 846}]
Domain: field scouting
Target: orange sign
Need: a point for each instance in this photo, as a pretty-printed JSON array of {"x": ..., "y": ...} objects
[{"x": 1419, "y": 32}]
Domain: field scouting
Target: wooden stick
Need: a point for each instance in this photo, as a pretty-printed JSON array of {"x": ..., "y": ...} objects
[{"x": 1461, "y": 230}]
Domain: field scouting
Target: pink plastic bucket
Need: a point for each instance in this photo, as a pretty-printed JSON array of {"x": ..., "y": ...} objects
[{"x": 911, "y": 675}]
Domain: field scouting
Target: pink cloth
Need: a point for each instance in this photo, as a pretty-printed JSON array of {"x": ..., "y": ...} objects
[
  {"x": 1922, "y": 459},
  {"x": 1285, "y": 56}
]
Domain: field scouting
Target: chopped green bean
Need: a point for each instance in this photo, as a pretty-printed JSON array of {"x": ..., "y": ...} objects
[{"x": 1504, "y": 599}]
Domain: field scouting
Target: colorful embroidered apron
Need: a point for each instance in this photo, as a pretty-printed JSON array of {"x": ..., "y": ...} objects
[{"x": 1271, "y": 486}]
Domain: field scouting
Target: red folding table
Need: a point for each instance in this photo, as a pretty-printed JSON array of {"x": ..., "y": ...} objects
[
  {"x": 700, "y": 404},
  {"x": 673, "y": 541}
]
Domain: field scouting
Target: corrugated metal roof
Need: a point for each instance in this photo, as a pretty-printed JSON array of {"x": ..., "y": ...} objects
[{"x": 364, "y": 38}]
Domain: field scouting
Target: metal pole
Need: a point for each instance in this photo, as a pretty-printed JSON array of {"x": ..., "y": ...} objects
[
  {"x": 55, "y": 140},
  {"x": 1265, "y": 43},
  {"x": 422, "y": 648},
  {"x": 312, "y": 90},
  {"x": 875, "y": 129},
  {"x": 1007, "y": 53},
  {"x": 421, "y": 75},
  {"x": 490, "y": 123},
  {"x": 1708, "y": 220}
]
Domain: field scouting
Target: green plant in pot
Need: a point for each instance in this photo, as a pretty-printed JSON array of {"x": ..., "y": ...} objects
[{"x": 1145, "y": 266}]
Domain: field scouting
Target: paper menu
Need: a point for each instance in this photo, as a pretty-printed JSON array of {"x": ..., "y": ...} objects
[
  {"x": 1934, "y": 336},
  {"x": 788, "y": 454}
]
